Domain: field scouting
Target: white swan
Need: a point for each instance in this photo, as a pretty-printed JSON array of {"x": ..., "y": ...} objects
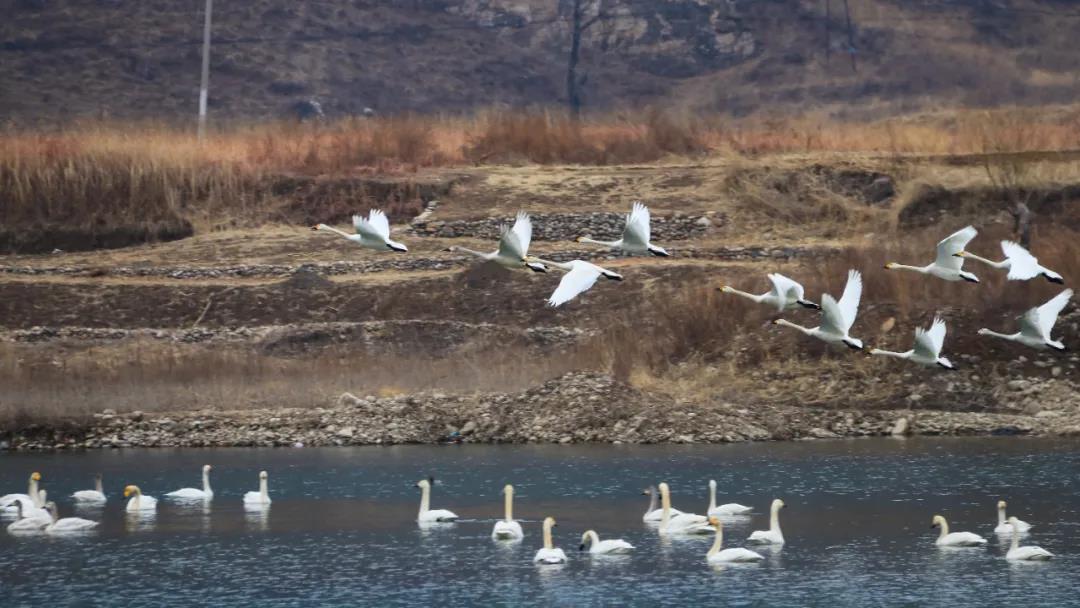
[
  {"x": 1019, "y": 262},
  {"x": 718, "y": 556},
  {"x": 95, "y": 495},
  {"x": 507, "y": 528},
  {"x": 262, "y": 497},
  {"x": 139, "y": 502},
  {"x": 596, "y": 546},
  {"x": 549, "y": 554},
  {"x": 29, "y": 519},
  {"x": 772, "y": 536},
  {"x": 428, "y": 514},
  {"x": 7, "y": 502},
  {"x": 580, "y": 276},
  {"x": 654, "y": 513},
  {"x": 1036, "y": 324},
  {"x": 954, "y": 539},
  {"x": 67, "y": 524},
  {"x": 947, "y": 265},
  {"x": 373, "y": 233},
  {"x": 513, "y": 246},
  {"x": 731, "y": 508},
  {"x": 1030, "y": 553},
  {"x": 1004, "y": 525},
  {"x": 927, "y": 351},
  {"x": 194, "y": 493},
  {"x": 837, "y": 317},
  {"x": 785, "y": 294},
  {"x": 636, "y": 234},
  {"x": 683, "y": 523}
]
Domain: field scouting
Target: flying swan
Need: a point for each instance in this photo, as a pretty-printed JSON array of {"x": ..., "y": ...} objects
[
  {"x": 837, "y": 317},
  {"x": 947, "y": 265},
  {"x": 718, "y": 556},
  {"x": 1004, "y": 526},
  {"x": 262, "y": 497},
  {"x": 955, "y": 539},
  {"x": 138, "y": 502},
  {"x": 7, "y": 502},
  {"x": 194, "y": 493},
  {"x": 513, "y": 246},
  {"x": 683, "y": 523},
  {"x": 67, "y": 524},
  {"x": 603, "y": 547},
  {"x": 731, "y": 508},
  {"x": 785, "y": 294},
  {"x": 927, "y": 351},
  {"x": 635, "y": 237},
  {"x": 507, "y": 528},
  {"x": 549, "y": 554},
  {"x": 427, "y": 514},
  {"x": 373, "y": 233},
  {"x": 1021, "y": 265},
  {"x": 1036, "y": 323},
  {"x": 580, "y": 276},
  {"x": 772, "y": 536},
  {"x": 95, "y": 495},
  {"x": 654, "y": 513},
  {"x": 1030, "y": 553}
]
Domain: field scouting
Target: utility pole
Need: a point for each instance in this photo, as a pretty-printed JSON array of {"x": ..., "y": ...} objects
[
  {"x": 850, "y": 36},
  {"x": 828, "y": 32},
  {"x": 204, "y": 87}
]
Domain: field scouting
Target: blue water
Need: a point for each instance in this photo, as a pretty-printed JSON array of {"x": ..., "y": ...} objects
[{"x": 342, "y": 531}]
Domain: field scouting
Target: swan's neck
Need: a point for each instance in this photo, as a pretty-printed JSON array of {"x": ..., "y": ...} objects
[
  {"x": 922, "y": 269},
  {"x": 586, "y": 239},
  {"x": 264, "y": 489},
  {"x": 990, "y": 332},
  {"x": 594, "y": 538},
  {"x": 652, "y": 503},
  {"x": 774, "y": 519},
  {"x": 53, "y": 516},
  {"x": 473, "y": 252},
  {"x": 748, "y": 296},
  {"x": 1015, "y": 537},
  {"x": 889, "y": 353},
  {"x": 1001, "y": 515},
  {"x": 548, "y": 544},
  {"x": 33, "y": 492},
  {"x": 206, "y": 482},
  {"x": 559, "y": 265},
  {"x": 718, "y": 542},
  {"x": 97, "y": 486},
  {"x": 806, "y": 330},
  {"x": 334, "y": 230},
  {"x": 665, "y": 513},
  {"x": 425, "y": 499},
  {"x": 509, "y": 506},
  {"x": 944, "y": 530},
  {"x": 712, "y": 496},
  {"x": 1002, "y": 264},
  {"x": 136, "y": 498}
]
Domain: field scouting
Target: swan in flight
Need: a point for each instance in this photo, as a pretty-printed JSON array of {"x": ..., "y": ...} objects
[
  {"x": 1036, "y": 324},
  {"x": 426, "y": 513},
  {"x": 194, "y": 493},
  {"x": 1019, "y": 262},
  {"x": 947, "y": 265},
  {"x": 955, "y": 539},
  {"x": 580, "y": 276},
  {"x": 95, "y": 495},
  {"x": 262, "y": 497},
  {"x": 718, "y": 556},
  {"x": 837, "y": 317},
  {"x": 7, "y": 502},
  {"x": 603, "y": 547},
  {"x": 1030, "y": 553},
  {"x": 513, "y": 246},
  {"x": 785, "y": 294},
  {"x": 635, "y": 236},
  {"x": 507, "y": 528},
  {"x": 139, "y": 502},
  {"x": 1004, "y": 525},
  {"x": 927, "y": 351},
  {"x": 683, "y": 523},
  {"x": 29, "y": 519},
  {"x": 772, "y": 536},
  {"x": 654, "y": 513},
  {"x": 373, "y": 233},
  {"x": 731, "y": 508},
  {"x": 67, "y": 524},
  {"x": 549, "y": 554}
]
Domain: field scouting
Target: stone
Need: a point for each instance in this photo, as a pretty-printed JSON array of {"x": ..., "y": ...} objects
[{"x": 900, "y": 428}]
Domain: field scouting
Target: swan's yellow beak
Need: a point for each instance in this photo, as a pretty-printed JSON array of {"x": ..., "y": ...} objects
[
  {"x": 960, "y": 254},
  {"x": 776, "y": 322},
  {"x": 35, "y": 476},
  {"x": 723, "y": 288},
  {"x": 128, "y": 491},
  {"x": 714, "y": 521},
  {"x": 889, "y": 266}
]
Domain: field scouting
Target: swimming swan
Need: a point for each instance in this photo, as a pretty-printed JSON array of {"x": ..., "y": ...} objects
[
  {"x": 785, "y": 294},
  {"x": 718, "y": 556},
  {"x": 549, "y": 554},
  {"x": 7, "y": 502},
  {"x": 139, "y": 502},
  {"x": 837, "y": 317},
  {"x": 67, "y": 524},
  {"x": 194, "y": 493},
  {"x": 927, "y": 351},
  {"x": 636, "y": 234},
  {"x": 373, "y": 233},
  {"x": 603, "y": 547},
  {"x": 95, "y": 495},
  {"x": 513, "y": 246},
  {"x": 947, "y": 265},
  {"x": 262, "y": 497},
  {"x": 32, "y": 520},
  {"x": 654, "y": 512},
  {"x": 772, "y": 536},
  {"x": 1037, "y": 323},
  {"x": 580, "y": 277},
  {"x": 1030, "y": 553},
  {"x": 955, "y": 539},
  {"x": 426, "y": 513},
  {"x": 731, "y": 508},
  {"x": 683, "y": 523},
  {"x": 507, "y": 528},
  {"x": 1019, "y": 262},
  {"x": 1004, "y": 526}
]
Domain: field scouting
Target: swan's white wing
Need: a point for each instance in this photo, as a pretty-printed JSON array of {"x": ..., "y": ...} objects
[
  {"x": 953, "y": 244},
  {"x": 849, "y": 302},
  {"x": 367, "y": 230},
  {"x": 928, "y": 342},
  {"x": 637, "y": 231},
  {"x": 785, "y": 287},
  {"x": 1047, "y": 314},
  {"x": 523, "y": 230},
  {"x": 580, "y": 279},
  {"x": 510, "y": 244},
  {"x": 378, "y": 221},
  {"x": 832, "y": 320},
  {"x": 1022, "y": 265}
]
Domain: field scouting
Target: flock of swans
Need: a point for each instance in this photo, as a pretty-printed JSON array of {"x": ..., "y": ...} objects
[{"x": 36, "y": 514}]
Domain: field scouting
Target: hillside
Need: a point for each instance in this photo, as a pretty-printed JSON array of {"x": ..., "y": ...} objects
[{"x": 63, "y": 59}]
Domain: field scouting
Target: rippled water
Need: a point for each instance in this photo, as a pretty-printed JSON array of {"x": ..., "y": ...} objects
[{"x": 341, "y": 529}]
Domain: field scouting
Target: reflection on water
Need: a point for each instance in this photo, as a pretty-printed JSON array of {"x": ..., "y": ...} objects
[{"x": 342, "y": 529}]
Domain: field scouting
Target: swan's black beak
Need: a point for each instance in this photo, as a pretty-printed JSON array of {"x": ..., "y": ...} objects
[
  {"x": 581, "y": 547},
  {"x": 1058, "y": 280}
]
